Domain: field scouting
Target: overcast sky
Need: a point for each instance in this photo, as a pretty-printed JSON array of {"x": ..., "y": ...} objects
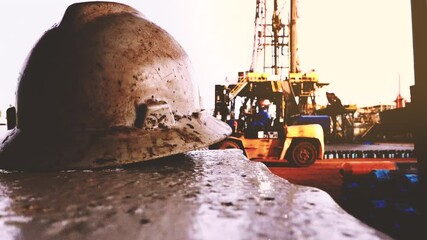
[{"x": 361, "y": 47}]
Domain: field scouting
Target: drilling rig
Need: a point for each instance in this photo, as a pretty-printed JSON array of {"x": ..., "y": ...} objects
[
  {"x": 272, "y": 97},
  {"x": 275, "y": 51}
]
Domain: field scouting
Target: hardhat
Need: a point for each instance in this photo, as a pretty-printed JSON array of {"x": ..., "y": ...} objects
[
  {"x": 106, "y": 87},
  {"x": 265, "y": 103}
]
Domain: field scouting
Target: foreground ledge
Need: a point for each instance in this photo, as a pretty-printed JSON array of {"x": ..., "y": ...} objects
[{"x": 201, "y": 195}]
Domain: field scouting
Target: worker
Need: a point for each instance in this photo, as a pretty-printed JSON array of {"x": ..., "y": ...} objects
[
  {"x": 262, "y": 117},
  {"x": 232, "y": 122},
  {"x": 108, "y": 105},
  {"x": 243, "y": 117},
  {"x": 334, "y": 104},
  {"x": 334, "y": 108}
]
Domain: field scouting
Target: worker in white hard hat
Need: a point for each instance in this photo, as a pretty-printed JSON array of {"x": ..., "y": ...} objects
[{"x": 106, "y": 87}]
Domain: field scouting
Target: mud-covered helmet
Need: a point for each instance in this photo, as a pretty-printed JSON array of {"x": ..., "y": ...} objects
[{"x": 106, "y": 87}]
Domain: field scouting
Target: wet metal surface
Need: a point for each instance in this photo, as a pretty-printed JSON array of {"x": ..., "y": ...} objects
[{"x": 201, "y": 195}]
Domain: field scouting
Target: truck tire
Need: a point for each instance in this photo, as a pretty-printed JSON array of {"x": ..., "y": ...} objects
[
  {"x": 227, "y": 144},
  {"x": 302, "y": 154},
  {"x": 230, "y": 143}
]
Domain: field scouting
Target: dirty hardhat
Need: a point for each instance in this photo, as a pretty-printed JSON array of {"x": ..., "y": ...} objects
[{"x": 106, "y": 87}]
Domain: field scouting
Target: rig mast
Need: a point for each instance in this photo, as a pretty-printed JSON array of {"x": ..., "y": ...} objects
[{"x": 279, "y": 40}]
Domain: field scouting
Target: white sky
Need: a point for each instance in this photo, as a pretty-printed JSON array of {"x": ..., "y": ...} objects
[{"x": 361, "y": 47}]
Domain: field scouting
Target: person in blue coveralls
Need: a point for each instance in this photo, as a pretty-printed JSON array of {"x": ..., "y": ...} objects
[{"x": 262, "y": 117}]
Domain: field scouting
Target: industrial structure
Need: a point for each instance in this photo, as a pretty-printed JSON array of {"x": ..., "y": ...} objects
[
  {"x": 275, "y": 75},
  {"x": 275, "y": 59},
  {"x": 268, "y": 107}
]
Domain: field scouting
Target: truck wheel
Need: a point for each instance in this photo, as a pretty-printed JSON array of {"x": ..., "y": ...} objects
[
  {"x": 303, "y": 154},
  {"x": 227, "y": 144}
]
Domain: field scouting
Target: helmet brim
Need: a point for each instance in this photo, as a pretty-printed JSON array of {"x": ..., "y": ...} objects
[{"x": 94, "y": 148}]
